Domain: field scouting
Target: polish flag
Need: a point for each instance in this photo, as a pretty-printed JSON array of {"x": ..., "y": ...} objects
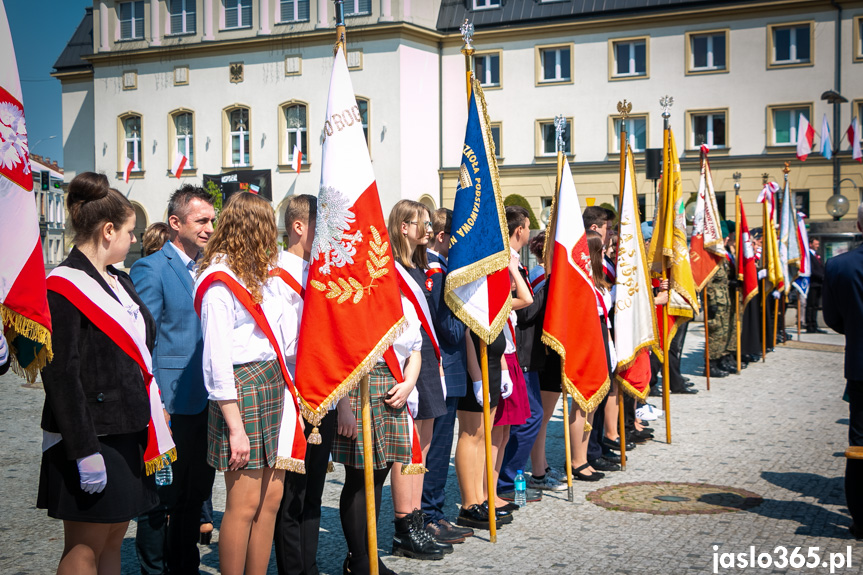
[
  {"x": 127, "y": 171},
  {"x": 805, "y": 137},
  {"x": 707, "y": 246},
  {"x": 572, "y": 325},
  {"x": 297, "y": 163},
  {"x": 352, "y": 311},
  {"x": 23, "y": 299},
  {"x": 854, "y": 136},
  {"x": 747, "y": 272},
  {"x": 180, "y": 161}
]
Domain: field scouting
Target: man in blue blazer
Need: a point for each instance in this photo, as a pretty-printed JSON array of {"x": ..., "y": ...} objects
[
  {"x": 165, "y": 281},
  {"x": 842, "y": 305}
]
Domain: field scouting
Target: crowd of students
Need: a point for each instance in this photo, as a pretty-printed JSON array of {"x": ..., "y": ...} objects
[{"x": 220, "y": 308}]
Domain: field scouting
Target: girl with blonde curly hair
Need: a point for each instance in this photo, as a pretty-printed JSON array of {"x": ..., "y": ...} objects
[{"x": 243, "y": 355}]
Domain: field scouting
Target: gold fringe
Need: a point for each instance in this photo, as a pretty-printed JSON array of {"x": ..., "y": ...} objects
[
  {"x": 414, "y": 469},
  {"x": 587, "y": 427},
  {"x": 17, "y": 324},
  {"x": 630, "y": 390},
  {"x": 488, "y": 335},
  {"x": 331, "y": 468},
  {"x": 315, "y": 437},
  {"x": 316, "y": 415},
  {"x": 586, "y": 405},
  {"x": 157, "y": 464},
  {"x": 291, "y": 464}
]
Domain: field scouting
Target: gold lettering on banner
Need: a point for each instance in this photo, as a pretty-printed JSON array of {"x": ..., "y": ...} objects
[
  {"x": 464, "y": 183},
  {"x": 627, "y": 276}
]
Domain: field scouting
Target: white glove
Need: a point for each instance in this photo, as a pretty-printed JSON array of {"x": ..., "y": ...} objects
[
  {"x": 612, "y": 352},
  {"x": 94, "y": 478},
  {"x": 4, "y": 349},
  {"x": 443, "y": 384},
  {"x": 775, "y": 294},
  {"x": 505, "y": 384},
  {"x": 413, "y": 402},
  {"x": 477, "y": 391},
  {"x": 762, "y": 274}
]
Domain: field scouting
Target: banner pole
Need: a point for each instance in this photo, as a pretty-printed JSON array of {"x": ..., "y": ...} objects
[
  {"x": 369, "y": 476},
  {"x": 623, "y": 108},
  {"x": 799, "y": 297},
  {"x": 775, "y": 319},
  {"x": 666, "y": 189},
  {"x": 566, "y": 437},
  {"x": 738, "y": 236},
  {"x": 763, "y": 314},
  {"x": 486, "y": 425},
  {"x": 706, "y": 341},
  {"x": 622, "y": 431}
]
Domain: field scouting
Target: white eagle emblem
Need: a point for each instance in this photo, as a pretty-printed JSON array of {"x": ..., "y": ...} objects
[
  {"x": 13, "y": 138},
  {"x": 332, "y": 240}
]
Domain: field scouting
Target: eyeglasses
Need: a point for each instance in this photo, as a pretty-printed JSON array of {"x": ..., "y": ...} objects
[{"x": 428, "y": 225}]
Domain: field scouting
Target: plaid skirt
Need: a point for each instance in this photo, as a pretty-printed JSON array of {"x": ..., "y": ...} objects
[
  {"x": 390, "y": 431},
  {"x": 261, "y": 399}
]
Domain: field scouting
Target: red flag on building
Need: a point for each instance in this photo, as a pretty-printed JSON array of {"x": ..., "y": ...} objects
[
  {"x": 23, "y": 300},
  {"x": 352, "y": 311},
  {"x": 571, "y": 326}
]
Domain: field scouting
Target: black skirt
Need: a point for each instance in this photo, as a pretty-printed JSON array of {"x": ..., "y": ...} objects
[
  {"x": 431, "y": 403},
  {"x": 128, "y": 493},
  {"x": 495, "y": 352},
  {"x": 549, "y": 377}
]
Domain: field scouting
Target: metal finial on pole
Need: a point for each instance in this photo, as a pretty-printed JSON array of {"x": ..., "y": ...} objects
[
  {"x": 466, "y": 30},
  {"x": 340, "y": 28},
  {"x": 666, "y": 102},
  {"x": 736, "y": 176},
  {"x": 559, "y": 130},
  {"x": 764, "y": 177}
]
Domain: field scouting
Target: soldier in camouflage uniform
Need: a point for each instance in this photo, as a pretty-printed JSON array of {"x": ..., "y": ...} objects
[{"x": 719, "y": 321}]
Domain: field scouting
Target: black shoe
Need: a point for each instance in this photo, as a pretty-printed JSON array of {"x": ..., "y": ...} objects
[
  {"x": 603, "y": 464},
  {"x": 686, "y": 391},
  {"x": 718, "y": 371},
  {"x": 443, "y": 530},
  {"x": 615, "y": 444},
  {"x": 533, "y": 495},
  {"x": 504, "y": 517},
  {"x": 475, "y": 517},
  {"x": 640, "y": 436},
  {"x": 610, "y": 456},
  {"x": 411, "y": 540},
  {"x": 578, "y": 475},
  {"x": 689, "y": 383}
]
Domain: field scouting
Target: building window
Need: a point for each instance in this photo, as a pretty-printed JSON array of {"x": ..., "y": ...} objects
[
  {"x": 355, "y": 59},
  {"x": 636, "y": 133},
  {"x": 791, "y": 45},
  {"x": 708, "y": 52},
  {"x": 546, "y": 138},
  {"x": 182, "y": 16},
  {"x": 293, "y": 125},
  {"x": 132, "y": 20},
  {"x": 496, "y": 129},
  {"x": 707, "y": 128},
  {"x": 629, "y": 58},
  {"x": 238, "y": 13},
  {"x": 487, "y": 69},
  {"x": 784, "y": 122},
  {"x": 363, "y": 105},
  {"x": 720, "y": 204},
  {"x": 858, "y": 39},
  {"x": 181, "y": 75},
  {"x": 555, "y": 64},
  {"x": 358, "y": 7},
  {"x": 131, "y": 134},
  {"x": 293, "y": 10},
  {"x": 183, "y": 128},
  {"x": 801, "y": 201},
  {"x": 485, "y": 4},
  {"x": 238, "y": 136}
]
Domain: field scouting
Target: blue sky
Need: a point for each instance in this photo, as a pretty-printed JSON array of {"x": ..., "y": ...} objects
[{"x": 40, "y": 31}]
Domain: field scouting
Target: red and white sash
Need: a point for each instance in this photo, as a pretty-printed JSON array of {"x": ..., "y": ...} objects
[
  {"x": 286, "y": 277},
  {"x": 110, "y": 317},
  {"x": 291, "y": 452}
]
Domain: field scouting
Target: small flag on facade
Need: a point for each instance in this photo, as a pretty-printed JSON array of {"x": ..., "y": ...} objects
[
  {"x": 826, "y": 149},
  {"x": 297, "y": 162},
  {"x": 805, "y": 137},
  {"x": 127, "y": 171},
  {"x": 180, "y": 161},
  {"x": 854, "y": 136}
]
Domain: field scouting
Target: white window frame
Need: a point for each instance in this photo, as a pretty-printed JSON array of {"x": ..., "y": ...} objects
[
  {"x": 793, "y": 59},
  {"x": 184, "y": 142},
  {"x": 487, "y": 57},
  {"x": 485, "y": 4},
  {"x": 244, "y": 137},
  {"x": 540, "y": 139},
  {"x": 238, "y": 6},
  {"x": 367, "y": 121},
  {"x": 188, "y": 16},
  {"x": 135, "y": 17},
  {"x": 354, "y": 8},
  {"x": 710, "y": 136},
  {"x": 498, "y": 148},
  {"x": 135, "y": 141},
  {"x": 560, "y": 78},
  {"x": 630, "y": 134},
  {"x": 633, "y": 73},
  {"x": 711, "y": 63},
  {"x": 297, "y": 133},
  {"x": 295, "y": 8},
  {"x": 796, "y": 109}
]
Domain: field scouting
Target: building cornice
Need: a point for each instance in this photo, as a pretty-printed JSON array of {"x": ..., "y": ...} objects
[
  {"x": 76, "y": 75},
  {"x": 270, "y": 42}
]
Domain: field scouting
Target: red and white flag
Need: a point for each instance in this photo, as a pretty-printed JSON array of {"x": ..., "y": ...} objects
[
  {"x": 23, "y": 300},
  {"x": 572, "y": 325},
  {"x": 707, "y": 246},
  {"x": 297, "y": 162},
  {"x": 635, "y": 329},
  {"x": 352, "y": 311},
  {"x": 180, "y": 161},
  {"x": 127, "y": 171},
  {"x": 854, "y": 136},
  {"x": 747, "y": 271},
  {"x": 805, "y": 137}
]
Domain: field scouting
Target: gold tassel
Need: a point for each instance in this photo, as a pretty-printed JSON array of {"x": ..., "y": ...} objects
[
  {"x": 315, "y": 436},
  {"x": 587, "y": 427},
  {"x": 414, "y": 469}
]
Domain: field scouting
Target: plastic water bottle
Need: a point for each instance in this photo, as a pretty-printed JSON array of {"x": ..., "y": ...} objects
[
  {"x": 165, "y": 476},
  {"x": 520, "y": 489}
]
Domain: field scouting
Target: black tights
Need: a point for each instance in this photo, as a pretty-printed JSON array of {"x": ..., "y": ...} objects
[{"x": 352, "y": 509}]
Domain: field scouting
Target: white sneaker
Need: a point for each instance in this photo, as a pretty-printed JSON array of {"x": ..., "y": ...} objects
[
  {"x": 644, "y": 414},
  {"x": 547, "y": 483}
]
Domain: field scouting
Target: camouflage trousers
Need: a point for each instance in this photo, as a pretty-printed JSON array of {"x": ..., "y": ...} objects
[{"x": 720, "y": 313}]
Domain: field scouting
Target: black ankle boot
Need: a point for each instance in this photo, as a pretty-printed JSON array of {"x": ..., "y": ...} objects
[
  {"x": 410, "y": 540},
  {"x": 420, "y": 523}
]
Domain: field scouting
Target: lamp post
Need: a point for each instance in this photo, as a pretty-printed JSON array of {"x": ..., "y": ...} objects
[
  {"x": 837, "y": 204},
  {"x": 33, "y": 147}
]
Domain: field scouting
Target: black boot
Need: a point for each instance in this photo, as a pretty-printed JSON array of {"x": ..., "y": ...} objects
[
  {"x": 420, "y": 522},
  {"x": 411, "y": 540}
]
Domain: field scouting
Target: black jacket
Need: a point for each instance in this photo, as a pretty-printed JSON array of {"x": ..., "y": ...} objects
[
  {"x": 816, "y": 276},
  {"x": 531, "y": 350},
  {"x": 92, "y": 387},
  {"x": 842, "y": 304}
]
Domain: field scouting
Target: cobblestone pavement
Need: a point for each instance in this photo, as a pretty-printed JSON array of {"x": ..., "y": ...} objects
[{"x": 778, "y": 430}]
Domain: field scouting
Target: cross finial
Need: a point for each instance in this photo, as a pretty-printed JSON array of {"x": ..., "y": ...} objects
[
  {"x": 624, "y": 108},
  {"x": 559, "y": 128},
  {"x": 466, "y": 30},
  {"x": 666, "y": 102}
]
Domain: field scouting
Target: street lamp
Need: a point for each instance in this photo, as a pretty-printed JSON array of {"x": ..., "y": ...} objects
[
  {"x": 837, "y": 204},
  {"x": 33, "y": 147}
]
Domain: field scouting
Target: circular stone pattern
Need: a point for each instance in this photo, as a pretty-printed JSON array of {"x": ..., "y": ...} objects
[{"x": 667, "y": 498}]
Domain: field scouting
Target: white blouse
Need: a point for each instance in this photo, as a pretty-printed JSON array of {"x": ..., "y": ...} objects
[
  {"x": 508, "y": 335},
  {"x": 411, "y": 338},
  {"x": 231, "y": 336}
]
